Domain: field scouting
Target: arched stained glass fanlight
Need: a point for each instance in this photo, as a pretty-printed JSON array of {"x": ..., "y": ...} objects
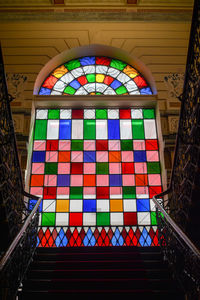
[{"x": 94, "y": 75}]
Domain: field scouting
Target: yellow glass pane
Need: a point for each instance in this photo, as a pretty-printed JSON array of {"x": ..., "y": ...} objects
[
  {"x": 59, "y": 72},
  {"x": 100, "y": 77},
  {"x": 62, "y": 205},
  {"x": 116, "y": 205},
  {"x": 131, "y": 72}
]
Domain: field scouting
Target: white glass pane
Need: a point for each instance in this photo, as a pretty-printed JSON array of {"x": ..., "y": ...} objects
[
  {"x": 90, "y": 87},
  {"x": 116, "y": 218},
  {"x": 59, "y": 86},
  {"x": 76, "y": 205},
  {"x": 41, "y": 113},
  {"x": 125, "y": 129},
  {"x": 123, "y": 78},
  {"x": 101, "y": 130},
  {"x": 136, "y": 114},
  {"x": 113, "y": 113},
  {"x": 89, "y": 69},
  {"x": 150, "y": 129},
  {"x": 135, "y": 92},
  {"x": 49, "y": 205},
  {"x": 52, "y": 129},
  {"x": 77, "y": 72},
  {"x": 130, "y": 205},
  {"x": 65, "y": 113},
  {"x": 113, "y": 72},
  {"x": 101, "y": 69},
  {"x": 89, "y": 219},
  {"x": 109, "y": 91},
  {"x": 67, "y": 78},
  {"x": 77, "y": 129},
  {"x": 62, "y": 219},
  {"x": 131, "y": 86},
  {"x": 81, "y": 91},
  {"x": 55, "y": 93},
  {"x": 102, "y": 205},
  {"x": 89, "y": 113},
  {"x": 100, "y": 87},
  {"x": 144, "y": 218}
]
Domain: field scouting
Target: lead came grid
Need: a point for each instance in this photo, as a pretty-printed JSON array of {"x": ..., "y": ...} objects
[{"x": 95, "y": 167}]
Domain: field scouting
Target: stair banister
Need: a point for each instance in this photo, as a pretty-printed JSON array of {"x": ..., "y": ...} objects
[
  {"x": 176, "y": 228},
  {"x": 18, "y": 237}
]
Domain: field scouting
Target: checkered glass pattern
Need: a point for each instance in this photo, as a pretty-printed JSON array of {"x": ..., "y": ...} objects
[{"x": 95, "y": 167}]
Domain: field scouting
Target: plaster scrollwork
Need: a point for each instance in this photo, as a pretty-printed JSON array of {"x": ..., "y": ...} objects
[
  {"x": 16, "y": 85},
  {"x": 174, "y": 83}
]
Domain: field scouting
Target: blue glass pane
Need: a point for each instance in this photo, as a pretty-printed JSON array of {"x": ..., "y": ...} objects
[
  {"x": 143, "y": 205},
  {"x": 63, "y": 180},
  {"x": 115, "y": 180},
  {"x": 145, "y": 239},
  {"x": 89, "y": 205},
  {"x": 65, "y": 129},
  {"x": 89, "y": 156},
  {"x": 38, "y": 156},
  {"x": 115, "y": 84},
  {"x": 140, "y": 156},
  {"x": 146, "y": 91},
  {"x": 44, "y": 91},
  {"x": 75, "y": 84},
  {"x": 113, "y": 130},
  {"x": 85, "y": 61},
  {"x": 32, "y": 203}
]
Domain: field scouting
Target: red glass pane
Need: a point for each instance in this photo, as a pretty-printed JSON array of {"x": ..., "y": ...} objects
[
  {"x": 75, "y": 219},
  {"x": 102, "y": 145},
  {"x": 154, "y": 190},
  {"x": 50, "y": 82},
  {"x": 108, "y": 80},
  {"x": 151, "y": 144},
  {"x": 52, "y": 145},
  {"x": 130, "y": 218},
  {"x": 140, "y": 82},
  {"x": 141, "y": 180},
  {"x": 82, "y": 80},
  {"x": 37, "y": 180},
  {"x": 77, "y": 113},
  {"x": 49, "y": 193},
  {"x": 103, "y": 61},
  {"x": 124, "y": 113},
  {"x": 127, "y": 168},
  {"x": 102, "y": 192},
  {"x": 76, "y": 168}
]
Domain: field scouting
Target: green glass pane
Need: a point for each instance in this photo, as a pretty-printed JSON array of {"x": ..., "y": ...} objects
[
  {"x": 72, "y": 64},
  {"x": 76, "y": 192},
  {"x": 91, "y": 77},
  {"x": 54, "y": 114},
  {"x": 48, "y": 219},
  {"x": 69, "y": 90},
  {"x": 153, "y": 167},
  {"x": 129, "y": 192},
  {"x": 153, "y": 218},
  {"x": 89, "y": 129},
  {"x": 77, "y": 145},
  {"x": 121, "y": 90},
  {"x": 126, "y": 145},
  {"x": 103, "y": 219},
  {"x": 101, "y": 114},
  {"x": 149, "y": 113},
  {"x": 40, "y": 129},
  {"x": 138, "y": 129},
  {"x": 118, "y": 64},
  {"x": 51, "y": 168},
  {"x": 102, "y": 168}
]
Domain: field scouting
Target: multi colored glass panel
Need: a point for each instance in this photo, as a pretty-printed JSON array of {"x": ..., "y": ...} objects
[
  {"x": 95, "y": 168},
  {"x": 95, "y": 76}
]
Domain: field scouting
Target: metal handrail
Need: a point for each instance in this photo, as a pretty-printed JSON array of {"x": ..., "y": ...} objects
[
  {"x": 176, "y": 228},
  {"x": 21, "y": 232}
]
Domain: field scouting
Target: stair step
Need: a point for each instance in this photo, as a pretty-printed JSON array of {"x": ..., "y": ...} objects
[{"x": 104, "y": 273}]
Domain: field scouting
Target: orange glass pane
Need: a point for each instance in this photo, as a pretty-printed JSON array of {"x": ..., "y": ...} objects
[
  {"x": 89, "y": 180},
  {"x": 64, "y": 156},
  {"x": 141, "y": 180},
  {"x": 114, "y": 156},
  {"x": 116, "y": 205},
  {"x": 37, "y": 180}
]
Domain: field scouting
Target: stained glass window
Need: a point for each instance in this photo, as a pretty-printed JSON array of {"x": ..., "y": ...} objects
[
  {"x": 95, "y": 76},
  {"x": 95, "y": 168}
]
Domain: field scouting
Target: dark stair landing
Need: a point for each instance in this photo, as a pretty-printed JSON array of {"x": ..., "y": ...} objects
[{"x": 99, "y": 273}]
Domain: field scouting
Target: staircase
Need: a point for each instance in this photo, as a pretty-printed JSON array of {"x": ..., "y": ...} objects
[{"x": 96, "y": 272}]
